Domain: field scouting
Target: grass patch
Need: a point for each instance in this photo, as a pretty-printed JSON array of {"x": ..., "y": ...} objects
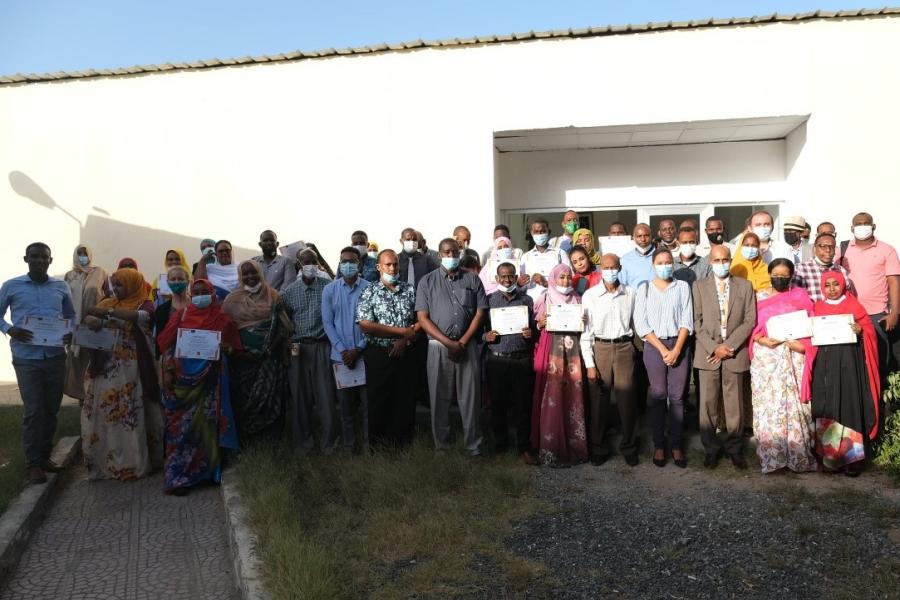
[
  {"x": 12, "y": 460},
  {"x": 413, "y": 523}
]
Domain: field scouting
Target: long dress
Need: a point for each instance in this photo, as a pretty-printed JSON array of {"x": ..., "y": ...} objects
[
  {"x": 86, "y": 286},
  {"x": 121, "y": 420}
]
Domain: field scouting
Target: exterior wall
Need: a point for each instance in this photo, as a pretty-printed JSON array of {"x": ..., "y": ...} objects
[{"x": 315, "y": 149}]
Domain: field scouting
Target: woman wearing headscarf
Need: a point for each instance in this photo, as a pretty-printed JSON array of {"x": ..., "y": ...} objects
[
  {"x": 178, "y": 279},
  {"x": 845, "y": 384},
  {"x": 88, "y": 285},
  {"x": 121, "y": 425},
  {"x": 502, "y": 252},
  {"x": 585, "y": 239},
  {"x": 586, "y": 273},
  {"x": 748, "y": 264},
  {"x": 174, "y": 258},
  {"x": 259, "y": 373},
  {"x": 558, "y": 429},
  {"x": 780, "y": 375},
  {"x": 129, "y": 263}
]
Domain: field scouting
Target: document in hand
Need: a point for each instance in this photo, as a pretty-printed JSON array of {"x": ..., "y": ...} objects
[{"x": 832, "y": 329}]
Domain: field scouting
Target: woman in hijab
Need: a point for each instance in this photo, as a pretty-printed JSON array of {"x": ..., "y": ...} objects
[
  {"x": 585, "y": 239},
  {"x": 845, "y": 384},
  {"x": 259, "y": 373},
  {"x": 558, "y": 427},
  {"x": 748, "y": 264},
  {"x": 502, "y": 252},
  {"x": 129, "y": 263},
  {"x": 88, "y": 284},
  {"x": 199, "y": 424},
  {"x": 121, "y": 425},
  {"x": 174, "y": 258}
]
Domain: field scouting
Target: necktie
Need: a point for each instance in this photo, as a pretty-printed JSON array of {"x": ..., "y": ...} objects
[
  {"x": 411, "y": 273},
  {"x": 723, "y": 306}
]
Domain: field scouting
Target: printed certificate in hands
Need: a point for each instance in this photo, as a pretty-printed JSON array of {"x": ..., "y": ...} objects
[
  {"x": 509, "y": 320},
  {"x": 544, "y": 263},
  {"x": 832, "y": 329},
  {"x": 615, "y": 244},
  {"x": 565, "y": 317},
  {"x": 349, "y": 378},
  {"x": 198, "y": 343},
  {"x": 47, "y": 331},
  {"x": 105, "y": 339},
  {"x": 789, "y": 326}
]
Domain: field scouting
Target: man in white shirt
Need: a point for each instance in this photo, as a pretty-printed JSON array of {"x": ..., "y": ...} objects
[
  {"x": 761, "y": 223},
  {"x": 715, "y": 236},
  {"x": 540, "y": 260},
  {"x": 608, "y": 353}
]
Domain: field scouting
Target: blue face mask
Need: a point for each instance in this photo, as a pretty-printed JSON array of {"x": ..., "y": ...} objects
[
  {"x": 610, "y": 276},
  {"x": 540, "y": 239},
  {"x": 391, "y": 279},
  {"x": 664, "y": 271},
  {"x": 201, "y": 301},
  {"x": 721, "y": 270},
  {"x": 84, "y": 261},
  {"x": 348, "y": 269},
  {"x": 749, "y": 252},
  {"x": 449, "y": 262}
]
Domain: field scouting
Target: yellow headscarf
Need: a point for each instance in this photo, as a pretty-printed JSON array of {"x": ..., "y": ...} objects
[
  {"x": 755, "y": 271},
  {"x": 184, "y": 263},
  {"x": 592, "y": 253}
]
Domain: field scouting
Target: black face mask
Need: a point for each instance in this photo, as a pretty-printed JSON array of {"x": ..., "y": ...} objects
[
  {"x": 716, "y": 238},
  {"x": 791, "y": 237},
  {"x": 781, "y": 284}
]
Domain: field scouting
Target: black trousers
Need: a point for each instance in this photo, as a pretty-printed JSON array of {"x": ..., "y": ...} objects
[
  {"x": 511, "y": 382},
  {"x": 392, "y": 404}
]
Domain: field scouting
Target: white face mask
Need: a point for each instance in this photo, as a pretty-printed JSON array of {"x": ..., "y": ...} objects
[
  {"x": 862, "y": 232},
  {"x": 688, "y": 249},
  {"x": 565, "y": 290},
  {"x": 508, "y": 289},
  {"x": 361, "y": 249},
  {"x": 504, "y": 253},
  {"x": 373, "y": 254},
  {"x": 643, "y": 251},
  {"x": 410, "y": 246},
  {"x": 254, "y": 288},
  {"x": 763, "y": 232},
  {"x": 309, "y": 271}
]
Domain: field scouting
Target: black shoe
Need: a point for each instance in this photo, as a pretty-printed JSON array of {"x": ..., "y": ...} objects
[
  {"x": 659, "y": 462},
  {"x": 598, "y": 459},
  {"x": 631, "y": 460},
  {"x": 681, "y": 463},
  {"x": 739, "y": 461},
  {"x": 181, "y": 491},
  {"x": 711, "y": 461}
]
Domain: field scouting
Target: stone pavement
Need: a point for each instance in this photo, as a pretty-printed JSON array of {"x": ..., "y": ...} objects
[{"x": 126, "y": 541}]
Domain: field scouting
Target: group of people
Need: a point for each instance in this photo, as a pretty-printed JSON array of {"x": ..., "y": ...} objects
[{"x": 342, "y": 358}]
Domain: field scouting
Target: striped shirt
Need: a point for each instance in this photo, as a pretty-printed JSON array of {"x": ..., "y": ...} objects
[
  {"x": 663, "y": 312},
  {"x": 609, "y": 317},
  {"x": 304, "y": 302}
]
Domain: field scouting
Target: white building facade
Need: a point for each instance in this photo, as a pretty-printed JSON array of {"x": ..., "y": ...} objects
[{"x": 799, "y": 114}]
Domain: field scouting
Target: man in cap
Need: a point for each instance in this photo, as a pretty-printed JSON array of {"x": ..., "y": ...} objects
[{"x": 794, "y": 227}]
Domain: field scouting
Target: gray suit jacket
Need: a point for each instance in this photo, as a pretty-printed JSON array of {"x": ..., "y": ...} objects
[{"x": 741, "y": 321}]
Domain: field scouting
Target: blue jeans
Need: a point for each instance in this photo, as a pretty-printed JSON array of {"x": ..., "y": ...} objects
[{"x": 41, "y": 384}]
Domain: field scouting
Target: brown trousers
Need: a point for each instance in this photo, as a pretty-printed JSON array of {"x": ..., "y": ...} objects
[
  {"x": 722, "y": 390},
  {"x": 615, "y": 370}
]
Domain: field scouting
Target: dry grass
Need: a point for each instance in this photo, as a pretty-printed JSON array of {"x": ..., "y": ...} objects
[{"x": 388, "y": 525}]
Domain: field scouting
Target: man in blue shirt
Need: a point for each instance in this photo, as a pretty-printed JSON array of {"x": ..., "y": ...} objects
[
  {"x": 360, "y": 240},
  {"x": 339, "y": 301},
  {"x": 637, "y": 265},
  {"x": 40, "y": 370}
]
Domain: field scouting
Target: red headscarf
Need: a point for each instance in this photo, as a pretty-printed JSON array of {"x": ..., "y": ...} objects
[
  {"x": 210, "y": 318},
  {"x": 850, "y": 305}
]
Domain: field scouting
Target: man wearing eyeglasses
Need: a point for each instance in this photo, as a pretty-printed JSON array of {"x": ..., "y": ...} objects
[{"x": 808, "y": 274}]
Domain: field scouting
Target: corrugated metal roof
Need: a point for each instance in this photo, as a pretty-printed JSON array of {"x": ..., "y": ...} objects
[{"x": 605, "y": 30}]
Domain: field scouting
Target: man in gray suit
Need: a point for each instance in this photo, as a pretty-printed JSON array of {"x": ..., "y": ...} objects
[{"x": 724, "y": 317}]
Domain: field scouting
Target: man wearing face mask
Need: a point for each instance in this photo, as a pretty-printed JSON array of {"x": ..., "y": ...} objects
[
  {"x": 608, "y": 354},
  {"x": 278, "y": 270},
  {"x": 540, "y": 260},
  {"x": 688, "y": 266},
  {"x": 570, "y": 226},
  {"x": 769, "y": 249},
  {"x": 875, "y": 269},
  {"x": 311, "y": 376},
  {"x": 637, "y": 265},
  {"x": 715, "y": 235},
  {"x": 501, "y": 230},
  {"x": 724, "y": 318},
  {"x": 414, "y": 265},
  {"x": 451, "y": 305},
  {"x": 666, "y": 235},
  {"x": 793, "y": 237},
  {"x": 339, "y": 303},
  {"x": 207, "y": 251},
  {"x": 360, "y": 240},
  {"x": 808, "y": 274}
]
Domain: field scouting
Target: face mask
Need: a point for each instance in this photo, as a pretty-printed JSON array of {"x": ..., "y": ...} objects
[
  {"x": 208, "y": 251},
  {"x": 373, "y": 254},
  {"x": 565, "y": 290},
  {"x": 862, "y": 232},
  {"x": 507, "y": 289},
  {"x": 201, "y": 301},
  {"x": 791, "y": 237},
  {"x": 688, "y": 249},
  {"x": 253, "y": 288},
  {"x": 781, "y": 284},
  {"x": 749, "y": 252},
  {"x": 410, "y": 246},
  {"x": 449, "y": 262},
  {"x": 643, "y": 251},
  {"x": 348, "y": 269},
  {"x": 610, "y": 276},
  {"x": 664, "y": 271},
  {"x": 540, "y": 239},
  {"x": 84, "y": 261},
  {"x": 820, "y": 263},
  {"x": 389, "y": 279},
  {"x": 721, "y": 270},
  {"x": 309, "y": 271},
  {"x": 715, "y": 238},
  {"x": 178, "y": 287},
  {"x": 571, "y": 227},
  {"x": 504, "y": 253},
  {"x": 763, "y": 232},
  {"x": 361, "y": 249}
]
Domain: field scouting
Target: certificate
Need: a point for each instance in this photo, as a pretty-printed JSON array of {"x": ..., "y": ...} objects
[
  {"x": 543, "y": 263},
  {"x": 509, "y": 320},
  {"x": 162, "y": 284},
  {"x": 347, "y": 378},
  {"x": 832, "y": 329},
  {"x": 290, "y": 250},
  {"x": 565, "y": 317},
  {"x": 614, "y": 244},
  {"x": 789, "y": 326},
  {"x": 105, "y": 339},
  {"x": 198, "y": 343},
  {"x": 47, "y": 331}
]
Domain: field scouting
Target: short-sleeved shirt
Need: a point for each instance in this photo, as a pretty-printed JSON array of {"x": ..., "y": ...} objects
[
  {"x": 26, "y": 297},
  {"x": 304, "y": 301},
  {"x": 279, "y": 273},
  {"x": 451, "y": 299},
  {"x": 394, "y": 308},
  {"x": 870, "y": 267}
]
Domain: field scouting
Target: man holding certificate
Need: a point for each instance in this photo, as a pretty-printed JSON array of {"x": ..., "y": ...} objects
[
  {"x": 510, "y": 373},
  {"x": 36, "y": 298}
]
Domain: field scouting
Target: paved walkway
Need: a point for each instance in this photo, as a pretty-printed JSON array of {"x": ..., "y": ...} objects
[{"x": 126, "y": 541}]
